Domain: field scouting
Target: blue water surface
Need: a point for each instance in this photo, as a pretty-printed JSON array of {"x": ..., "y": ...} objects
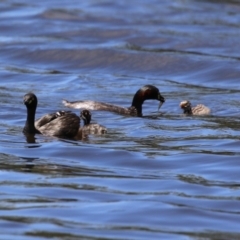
[{"x": 163, "y": 176}]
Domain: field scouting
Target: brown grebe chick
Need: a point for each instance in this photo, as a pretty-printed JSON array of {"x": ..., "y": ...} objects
[
  {"x": 59, "y": 124},
  {"x": 92, "y": 128},
  {"x": 144, "y": 93},
  {"x": 199, "y": 109}
]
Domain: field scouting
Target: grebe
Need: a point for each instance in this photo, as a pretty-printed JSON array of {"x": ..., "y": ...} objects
[
  {"x": 144, "y": 93},
  {"x": 199, "y": 109},
  {"x": 60, "y": 124},
  {"x": 88, "y": 127}
]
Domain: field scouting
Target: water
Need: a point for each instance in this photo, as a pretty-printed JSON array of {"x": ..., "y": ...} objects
[{"x": 163, "y": 177}]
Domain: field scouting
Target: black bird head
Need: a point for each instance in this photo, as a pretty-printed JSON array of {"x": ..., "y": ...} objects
[
  {"x": 30, "y": 100},
  {"x": 86, "y": 116}
]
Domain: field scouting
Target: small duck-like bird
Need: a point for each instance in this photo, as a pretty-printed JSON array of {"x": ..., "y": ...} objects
[
  {"x": 199, "y": 109},
  {"x": 59, "y": 124},
  {"x": 92, "y": 128},
  {"x": 144, "y": 93}
]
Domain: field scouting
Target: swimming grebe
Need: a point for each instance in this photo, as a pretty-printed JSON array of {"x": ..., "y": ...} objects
[
  {"x": 144, "y": 93},
  {"x": 60, "y": 124},
  {"x": 200, "y": 109},
  {"x": 88, "y": 127}
]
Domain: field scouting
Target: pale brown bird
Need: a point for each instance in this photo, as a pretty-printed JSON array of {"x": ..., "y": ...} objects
[{"x": 199, "y": 109}]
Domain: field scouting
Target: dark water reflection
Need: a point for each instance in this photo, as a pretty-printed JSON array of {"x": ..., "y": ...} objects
[{"x": 163, "y": 176}]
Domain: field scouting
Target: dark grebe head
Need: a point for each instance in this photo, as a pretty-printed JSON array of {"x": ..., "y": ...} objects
[
  {"x": 186, "y": 106},
  {"x": 30, "y": 100},
  {"x": 144, "y": 93},
  {"x": 86, "y": 116}
]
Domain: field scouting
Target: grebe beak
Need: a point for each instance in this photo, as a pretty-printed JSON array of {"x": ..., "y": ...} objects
[
  {"x": 159, "y": 106},
  {"x": 161, "y": 100}
]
